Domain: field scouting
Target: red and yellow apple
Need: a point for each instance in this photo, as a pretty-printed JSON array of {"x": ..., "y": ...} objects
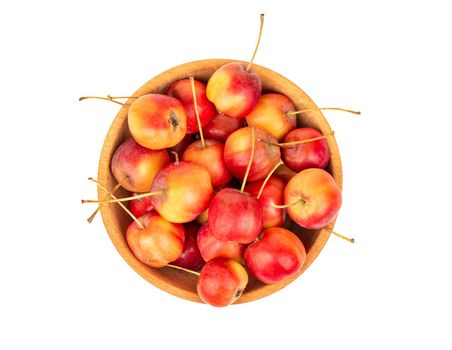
[
  {"x": 221, "y": 126},
  {"x": 211, "y": 247}
]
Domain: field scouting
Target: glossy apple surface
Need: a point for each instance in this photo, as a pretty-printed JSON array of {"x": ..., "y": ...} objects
[
  {"x": 278, "y": 255},
  {"x": 273, "y": 192},
  {"x": 315, "y": 196},
  {"x": 235, "y": 216},
  {"x": 211, "y": 247},
  {"x": 186, "y": 191},
  {"x": 315, "y": 154},
  {"x": 191, "y": 257},
  {"x": 159, "y": 243},
  {"x": 237, "y": 153},
  {"x": 211, "y": 158},
  {"x": 140, "y": 206},
  {"x": 182, "y": 90},
  {"x": 157, "y": 121},
  {"x": 138, "y": 165},
  {"x": 222, "y": 282},
  {"x": 270, "y": 115},
  {"x": 233, "y": 90},
  {"x": 221, "y": 126}
]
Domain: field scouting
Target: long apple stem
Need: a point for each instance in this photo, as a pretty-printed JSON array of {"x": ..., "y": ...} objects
[
  {"x": 323, "y": 109},
  {"x": 176, "y": 157},
  {"x": 125, "y": 199},
  {"x": 253, "y": 141},
  {"x": 351, "y": 240},
  {"x": 119, "y": 97},
  {"x": 134, "y": 218},
  {"x": 268, "y": 177},
  {"x": 287, "y": 205},
  {"x": 195, "y": 102},
  {"x": 293, "y": 143},
  {"x": 183, "y": 269},
  {"x": 248, "y": 67},
  {"x": 109, "y": 98},
  {"x": 118, "y": 185}
]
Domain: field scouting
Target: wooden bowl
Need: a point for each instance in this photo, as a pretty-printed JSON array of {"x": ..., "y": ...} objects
[{"x": 177, "y": 282}]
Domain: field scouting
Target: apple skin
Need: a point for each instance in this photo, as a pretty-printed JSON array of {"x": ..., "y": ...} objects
[
  {"x": 211, "y": 158},
  {"x": 322, "y": 198},
  {"x": 157, "y": 121},
  {"x": 237, "y": 153},
  {"x": 221, "y": 126},
  {"x": 139, "y": 164},
  {"x": 191, "y": 257},
  {"x": 140, "y": 206},
  {"x": 187, "y": 191},
  {"x": 278, "y": 255},
  {"x": 273, "y": 192},
  {"x": 235, "y": 216},
  {"x": 159, "y": 243},
  {"x": 315, "y": 154},
  {"x": 233, "y": 90},
  {"x": 181, "y": 89},
  {"x": 211, "y": 247},
  {"x": 221, "y": 282},
  {"x": 285, "y": 173},
  {"x": 270, "y": 115},
  {"x": 202, "y": 219}
]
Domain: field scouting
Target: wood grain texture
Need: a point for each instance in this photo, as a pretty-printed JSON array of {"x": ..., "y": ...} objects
[{"x": 180, "y": 283}]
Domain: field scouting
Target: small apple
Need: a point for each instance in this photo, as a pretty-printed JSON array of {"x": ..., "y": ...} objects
[
  {"x": 191, "y": 257},
  {"x": 141, "y": 205},
  {"x": 211, "y": 247},
  {"x": 221, "y": 126}
]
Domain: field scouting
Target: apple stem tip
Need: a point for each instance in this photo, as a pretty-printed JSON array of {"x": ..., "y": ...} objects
[
  {"x": 248, "y": 67},
  {"x": 351, "y": 240},
  {"x": 176, "y": 157}
]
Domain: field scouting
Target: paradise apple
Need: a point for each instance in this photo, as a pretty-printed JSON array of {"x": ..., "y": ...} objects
[
  {"x": 277, "y": 255},
  {"x": 312, "y": 198},
  {"x": 221, "y": 126},
  {"x": 158, "y": 243},
  {"x": 221, "y": 282},
  {"x": 157, "y": 121},
  {"x": 140, "y": 205},
  {"x": 211, "y": 247},
  {"x": 191, "y": 257},
  {"x": 135, "y": 166}
]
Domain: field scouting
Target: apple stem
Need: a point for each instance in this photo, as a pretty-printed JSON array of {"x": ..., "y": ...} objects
[
  {"x": 108, "y": 98},
  {"x": 351, "y": 240},
  {"x": 268, "y": 177},
  {"x": 125, "y": 199},
  {"x": 183, "y": 269},
  {"x": 118, "y": 97},
  {"x": 134, "y": 218},
  {"x": 176, "y": 157},
  {"x": 253, "y": 141},
  {"x": 287, "y": 205},
  {"x": 118, "y": 185},
  {"x": 248, "y": 67},
  {"x": 323, "y": 109},
  {"x": 195, "y": 102},
  {"x": 293, "y": 143}
]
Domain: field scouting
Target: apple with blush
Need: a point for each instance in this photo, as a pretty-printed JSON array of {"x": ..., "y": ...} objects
[
  {"x": 221, "y": 282},
  {"x": 141, "y": 205},
  {"x": 277, "y": 255},
  {"x": 191, "y": 257},
  {"x": 135, "y": 166},
  {"x": 221, "y": 126},
  {"x": 211, "y": 247}
]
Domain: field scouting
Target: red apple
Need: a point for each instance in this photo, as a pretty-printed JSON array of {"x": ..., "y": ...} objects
[
  {"x": 313, "y": 198},
  {"x": 137, "y": 165},
  {"x": 210, "y": 157},
  {"x": 270, "y": 114},
  {"x": 235, "y": 216},
  {"x": 186, "y": 191},
  {"x": 234, "y": 90},
  {"x": 315, "y": 154},
  {"x": 191, "y": 257},
  {"x": 237, "y": 153},
  {"x": 157, "y": 121},
  {"x": 158, "y": 243},
  {"x": 182, "y": 90},
  {"x": 278, "y": 255},
  {"x": 140, "y": 206},
  {"x": 222, "y": 282},
  {"x": 211, "y": 247},
  {"x": 221, "y": 126},
  {"x": 273, "y": 192},
  {"x": 182, "y": 145},
  {"x": 285, "y": 173}
]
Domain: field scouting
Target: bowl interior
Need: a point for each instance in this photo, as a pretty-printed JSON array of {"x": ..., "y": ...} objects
[{"x": 116, "y": 221}]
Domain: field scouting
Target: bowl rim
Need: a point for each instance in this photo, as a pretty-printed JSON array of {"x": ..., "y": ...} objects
[{"x": 105, "y": 177}]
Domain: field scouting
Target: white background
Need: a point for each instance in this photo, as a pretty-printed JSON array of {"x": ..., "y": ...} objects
[{"x": 64, "y": 286}]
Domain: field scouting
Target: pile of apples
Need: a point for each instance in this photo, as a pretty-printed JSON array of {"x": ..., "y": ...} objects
[{"x": 202, "y": 167}]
